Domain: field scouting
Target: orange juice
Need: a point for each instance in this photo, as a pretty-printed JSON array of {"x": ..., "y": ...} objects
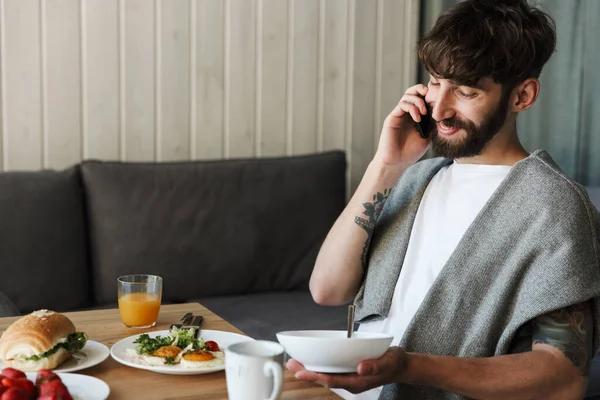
[{"x": 139, "y": 309}]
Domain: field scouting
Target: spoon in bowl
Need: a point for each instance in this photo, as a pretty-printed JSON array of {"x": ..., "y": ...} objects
[{"x": 350, "y": 320}]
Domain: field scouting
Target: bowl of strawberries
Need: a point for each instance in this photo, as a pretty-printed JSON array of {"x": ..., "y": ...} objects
[{"x": 47, "y": 385}]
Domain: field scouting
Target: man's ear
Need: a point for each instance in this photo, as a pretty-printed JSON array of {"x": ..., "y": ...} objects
[{"x": 525, "y": 94}]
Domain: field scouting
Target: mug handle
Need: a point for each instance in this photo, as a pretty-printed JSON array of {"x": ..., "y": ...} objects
[{"x": 271, "y": 368}]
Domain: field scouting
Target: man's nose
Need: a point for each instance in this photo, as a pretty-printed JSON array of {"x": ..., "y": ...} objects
[{"x": 442, "y": 108}]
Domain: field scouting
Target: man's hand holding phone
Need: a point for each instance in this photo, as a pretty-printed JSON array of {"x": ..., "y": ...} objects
[
  {"x": 401, "y": 143},
  {"x": 426, "y": 124}
]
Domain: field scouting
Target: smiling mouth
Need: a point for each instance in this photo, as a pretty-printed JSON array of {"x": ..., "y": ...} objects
[{"x": 445, "y": 130}]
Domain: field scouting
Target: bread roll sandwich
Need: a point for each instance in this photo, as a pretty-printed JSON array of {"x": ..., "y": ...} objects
[{"x": 41, "y": 340}]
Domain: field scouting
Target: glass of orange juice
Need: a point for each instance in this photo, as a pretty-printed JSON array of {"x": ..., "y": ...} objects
[{"x": 139, "y": 299}]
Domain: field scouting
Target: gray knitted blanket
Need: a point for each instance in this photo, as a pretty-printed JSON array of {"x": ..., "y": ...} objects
[{"x": 532, "y": 249}]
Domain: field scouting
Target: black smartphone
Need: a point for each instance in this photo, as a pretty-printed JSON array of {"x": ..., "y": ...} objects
[{"x": 426, "y": 124}]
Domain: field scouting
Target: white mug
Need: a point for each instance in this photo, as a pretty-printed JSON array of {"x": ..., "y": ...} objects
[{"x": 254, "y": 370}]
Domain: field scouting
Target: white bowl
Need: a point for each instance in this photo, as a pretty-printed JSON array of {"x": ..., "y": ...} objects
[{"x": 332, "y": 351}]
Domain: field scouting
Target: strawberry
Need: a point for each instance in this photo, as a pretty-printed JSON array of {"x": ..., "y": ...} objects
[
  {"x": 27, "y": 386},
  {"x": 15, "y": 394},
  {"x": 51, "y": 387},
  {"x": 54, "y": 387},
  {"x": 24, "y": 384},
  {"x": 13, "y": 373},
  {"x": 45, "y": 375},
  {"x": 7, "y": 382},
  {"x": 49, "y": 397}
]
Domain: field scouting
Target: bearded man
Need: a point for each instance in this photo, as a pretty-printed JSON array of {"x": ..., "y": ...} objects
[{"x": 482, "y": 263}]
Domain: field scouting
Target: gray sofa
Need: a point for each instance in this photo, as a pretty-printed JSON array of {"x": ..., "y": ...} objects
[{"x": 239, "y": 236}]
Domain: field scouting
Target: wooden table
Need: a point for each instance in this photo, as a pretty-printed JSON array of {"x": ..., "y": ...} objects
[{"x": 105, "y": 326}]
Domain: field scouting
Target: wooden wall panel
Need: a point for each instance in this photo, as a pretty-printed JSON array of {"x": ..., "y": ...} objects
[
  {"x": 100, "y": 74},
  {"x": 22, "y": 84},
  {"x": 169, "y": 80},
  {"x": 137, "y": 71}
]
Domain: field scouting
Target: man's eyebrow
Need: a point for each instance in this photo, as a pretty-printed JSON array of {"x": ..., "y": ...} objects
[{"x": 475, "y": 85}]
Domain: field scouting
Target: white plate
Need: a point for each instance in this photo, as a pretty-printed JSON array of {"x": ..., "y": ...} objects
[
  {"x": 81, "y": 387},
  {"x": 224, "y": 339},
  {"x": 93, "y": 353}
]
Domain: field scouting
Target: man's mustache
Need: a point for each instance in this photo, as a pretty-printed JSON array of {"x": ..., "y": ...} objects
[{"x": 454, "y": 122}]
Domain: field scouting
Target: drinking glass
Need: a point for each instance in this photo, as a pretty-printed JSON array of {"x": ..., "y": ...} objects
[{"x": 139, "y": 299}]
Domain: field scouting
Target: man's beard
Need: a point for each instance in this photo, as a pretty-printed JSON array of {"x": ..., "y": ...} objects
[{"x": 477, "y": 136}]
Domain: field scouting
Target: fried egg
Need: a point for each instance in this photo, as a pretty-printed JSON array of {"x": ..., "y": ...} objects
[
  {"x": 167, "y": 351},
  {"x": 203, "y": 359},
  {"x": 187, "y": 357},
  {"x": 143, "y": 359}
]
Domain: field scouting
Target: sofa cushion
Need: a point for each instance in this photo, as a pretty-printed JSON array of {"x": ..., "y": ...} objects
[
  {"x": 261, "y": 316},
  {"x": 43, "y": 244},
  {"x": 212, "y": 227},
  {"x": 7, "y": 307}
]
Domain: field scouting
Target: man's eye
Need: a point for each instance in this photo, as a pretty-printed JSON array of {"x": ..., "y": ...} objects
[
  {"x": 467, "y": 95},
  {"x": 431, "y": 83}
]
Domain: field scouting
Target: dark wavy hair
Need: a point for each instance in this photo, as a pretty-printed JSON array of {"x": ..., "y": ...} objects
[{"x": 507, "y": 40}]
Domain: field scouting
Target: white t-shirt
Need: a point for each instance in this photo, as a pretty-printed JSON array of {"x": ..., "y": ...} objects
[{"x": 452, "y": 200}]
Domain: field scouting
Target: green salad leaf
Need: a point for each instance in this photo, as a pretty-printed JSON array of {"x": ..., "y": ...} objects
[
  {"x": 146, "y": 344},
  {"x": 170, "y": 360},
  {"x": 185, "y": 337},
  {"x": 75, "y": 342}
]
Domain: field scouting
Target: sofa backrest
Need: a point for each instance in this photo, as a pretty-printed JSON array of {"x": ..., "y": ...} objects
[
  {"x": 43, "y": 240},
  {"x": 212, "y": 227},
  {"x": 594, "y": 193}
]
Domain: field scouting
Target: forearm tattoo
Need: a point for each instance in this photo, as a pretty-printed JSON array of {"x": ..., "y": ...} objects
[
  {"x": 571, "y": 331},
  {"x": 372, "y": 211}
]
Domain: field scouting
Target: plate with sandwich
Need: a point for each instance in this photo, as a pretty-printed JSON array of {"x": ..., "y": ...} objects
[
  {"x": 46, "y": 339},
  {"x": 176, "y": 351}
]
